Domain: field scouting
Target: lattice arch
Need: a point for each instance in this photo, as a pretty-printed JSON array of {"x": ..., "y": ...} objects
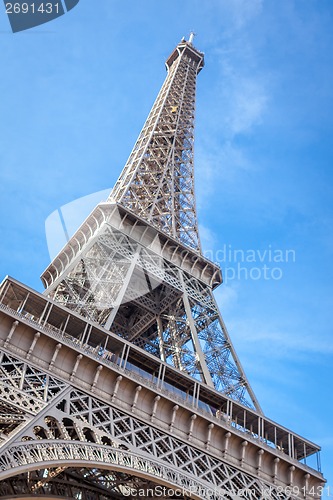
[
  {"x": 26, "y": 457},
  {"x": 93, "y": 432}
]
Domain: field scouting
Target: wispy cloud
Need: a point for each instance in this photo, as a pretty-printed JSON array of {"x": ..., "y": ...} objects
[
  {"x": 245, "y": 100},
  {"x": 207, "y": 238},
  {"x": 243, "y": 11},
  {"x": 281, "y": 344},
  {"x": 226, "y": 297},
  {"x": 238, "y": 101}
]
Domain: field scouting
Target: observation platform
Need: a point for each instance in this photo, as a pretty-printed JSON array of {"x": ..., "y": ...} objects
[{"x": 41, "y": 314}]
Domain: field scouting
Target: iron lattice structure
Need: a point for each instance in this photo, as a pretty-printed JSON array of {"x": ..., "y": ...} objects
[
  {"x": 157, "y": 182},
  {"x": 125, "y": 282},
  {"x": 121, "y": 381}
]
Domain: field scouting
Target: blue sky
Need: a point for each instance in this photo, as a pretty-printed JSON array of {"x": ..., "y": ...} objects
[{"x": 75, "y": 94}]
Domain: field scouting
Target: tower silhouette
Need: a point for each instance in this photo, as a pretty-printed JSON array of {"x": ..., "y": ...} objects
[{"x": 121, "y": 380}]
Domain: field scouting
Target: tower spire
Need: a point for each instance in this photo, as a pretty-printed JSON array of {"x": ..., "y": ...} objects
[{"x": 157, "y": 182}]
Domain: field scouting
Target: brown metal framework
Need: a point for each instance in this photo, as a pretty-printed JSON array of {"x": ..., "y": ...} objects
[
  {"x": 135, "y": 266},
  {"x": 85, "y": 422},
  {"x": 157, "y": 182},
  {"x": 122, "y": 378}
]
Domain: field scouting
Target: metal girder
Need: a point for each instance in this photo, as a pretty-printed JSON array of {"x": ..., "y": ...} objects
[
  {"x": 135, "y": 269},
  {"x": 157, "y": 182},
  {"x": 78, "y": 444},
  {"x": 121, "y": 279},
  {"x": 133, "y": 291}
]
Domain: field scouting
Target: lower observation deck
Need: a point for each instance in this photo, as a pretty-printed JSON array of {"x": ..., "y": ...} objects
[{"x": 69, "y": 329}]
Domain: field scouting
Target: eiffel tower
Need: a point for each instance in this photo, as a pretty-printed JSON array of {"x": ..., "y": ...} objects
[{"x": 121, "y": 380}]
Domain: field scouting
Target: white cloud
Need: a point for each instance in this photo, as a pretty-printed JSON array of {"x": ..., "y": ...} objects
[
  {"x": 208, "y": 240},
  {"x": 248, "y": 99},
  {"x": 226, "y": 297},
  {"x": 244, "y": 11},
  {"x": 234, "y": 14},
  {"x": 266, "y": 337},
  {"x": 238, "y": 101}
]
